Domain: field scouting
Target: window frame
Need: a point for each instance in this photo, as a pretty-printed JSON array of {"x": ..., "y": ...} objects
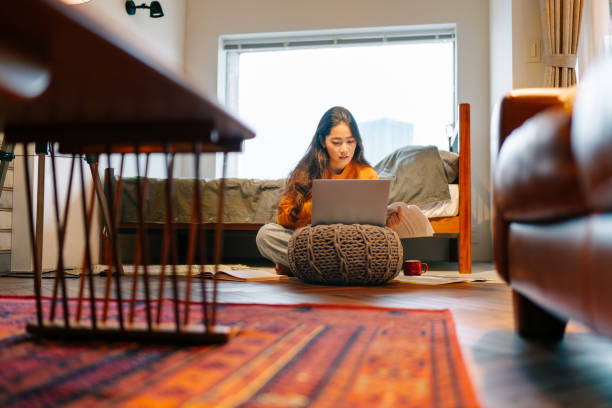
[{"x": 231, "y": 45}]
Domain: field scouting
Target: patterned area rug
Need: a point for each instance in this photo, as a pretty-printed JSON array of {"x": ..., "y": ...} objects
[{"x": 284, "y": 356}]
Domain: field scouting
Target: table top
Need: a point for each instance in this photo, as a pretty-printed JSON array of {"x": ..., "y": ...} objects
[{"x": 65, "y": 78}]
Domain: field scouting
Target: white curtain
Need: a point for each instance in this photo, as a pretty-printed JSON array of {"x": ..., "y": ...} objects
[
  {"x": 561, "y": 21},
  {"x": 595, "y": 27}
]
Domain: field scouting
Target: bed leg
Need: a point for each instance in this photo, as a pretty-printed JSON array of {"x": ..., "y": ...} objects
[
  {"x": 465, "y": 253},
  {"x": 465, "y": 185}
]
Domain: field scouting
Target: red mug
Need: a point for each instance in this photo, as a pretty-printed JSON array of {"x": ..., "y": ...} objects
[{"x": 414, "y": 267}]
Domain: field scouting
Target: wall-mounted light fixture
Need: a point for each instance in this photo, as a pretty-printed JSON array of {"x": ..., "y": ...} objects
[
  {"x": 75, "y": 1},
  {"x": 155, "y": 9}
]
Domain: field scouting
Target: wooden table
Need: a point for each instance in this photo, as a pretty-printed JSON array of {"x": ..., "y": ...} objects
[{"x": 67, "y": 81}]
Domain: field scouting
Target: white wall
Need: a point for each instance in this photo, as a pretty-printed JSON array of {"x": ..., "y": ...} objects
[
  {"x": 500, "y": 32},
  {"x": 206, "y": 20},
  {"x": 513, "y": 25},
  {"x": 526, "y": 27},
  {"x": 160, "y": 38}
]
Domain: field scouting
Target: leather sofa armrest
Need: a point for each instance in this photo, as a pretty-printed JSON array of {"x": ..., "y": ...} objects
[
  {"x": 521, "y": 104},
  {"x": 511, "y": 112}
]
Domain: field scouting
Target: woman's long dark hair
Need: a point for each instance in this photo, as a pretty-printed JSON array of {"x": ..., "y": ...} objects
[{"x": 314, "y": 163}]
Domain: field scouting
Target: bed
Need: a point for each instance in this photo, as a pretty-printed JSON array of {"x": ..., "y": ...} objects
[{"x": 437, "y": 181}]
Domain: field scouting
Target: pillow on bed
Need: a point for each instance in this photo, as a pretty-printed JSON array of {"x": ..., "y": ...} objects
[
  {"x": 451, "y": 165},
  {"x": 418, "y": 175}
]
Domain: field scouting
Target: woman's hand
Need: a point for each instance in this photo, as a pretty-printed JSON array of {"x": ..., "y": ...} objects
[{"x": 394, "y": 216}]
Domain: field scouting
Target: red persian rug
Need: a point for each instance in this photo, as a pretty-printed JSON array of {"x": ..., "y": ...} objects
[{"x": 284, "y": 356}]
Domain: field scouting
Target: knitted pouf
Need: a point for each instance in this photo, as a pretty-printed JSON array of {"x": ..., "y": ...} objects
[{"x": 342, "y": 254}]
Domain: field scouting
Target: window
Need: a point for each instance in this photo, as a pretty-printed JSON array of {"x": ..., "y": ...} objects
[
  {"x": 399, "y": 83},
  {"x": 608, "y": 37}
]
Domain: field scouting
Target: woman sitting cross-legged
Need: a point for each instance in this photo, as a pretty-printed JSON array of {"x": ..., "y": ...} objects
[{"x": 335, "y": 152}]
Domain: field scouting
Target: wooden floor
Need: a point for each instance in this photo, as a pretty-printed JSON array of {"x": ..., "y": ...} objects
[{"x": 506, "y": 371}]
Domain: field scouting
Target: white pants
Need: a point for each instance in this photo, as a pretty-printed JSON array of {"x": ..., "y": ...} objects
[{"x": 273, "y": 243}]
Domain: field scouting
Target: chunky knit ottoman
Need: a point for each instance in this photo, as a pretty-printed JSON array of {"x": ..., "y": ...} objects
[{"x": 342, "y": 254}]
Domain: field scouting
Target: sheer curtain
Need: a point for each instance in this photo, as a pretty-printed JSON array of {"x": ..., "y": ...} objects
[
  {"x": 595, "y": 28},
  {"x": 561, "y": 21}
]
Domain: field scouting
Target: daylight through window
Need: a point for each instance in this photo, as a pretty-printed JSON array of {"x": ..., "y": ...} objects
[{"x": 401, "y": 90}]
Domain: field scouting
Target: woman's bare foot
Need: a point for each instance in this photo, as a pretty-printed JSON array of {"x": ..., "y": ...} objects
[{"x": 283, "y": 270}]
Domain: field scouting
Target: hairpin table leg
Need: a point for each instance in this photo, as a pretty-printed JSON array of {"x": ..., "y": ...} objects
[{"x": 219, "y": 236}]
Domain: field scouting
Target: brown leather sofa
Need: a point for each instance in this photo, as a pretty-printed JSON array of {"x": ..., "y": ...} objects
[{"x": 552, "y": 204}]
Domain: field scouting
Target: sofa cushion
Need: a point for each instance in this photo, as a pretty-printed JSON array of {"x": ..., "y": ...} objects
[
  {"x": 536, "y": 177},
  {"x": 592, "y": 135},
  {"x": 547, "y": 265}
]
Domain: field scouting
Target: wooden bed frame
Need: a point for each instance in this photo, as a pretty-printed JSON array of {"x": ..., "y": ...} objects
[
  {"x": 462, "y": 223},
  {"x": 459, "y": 226}
]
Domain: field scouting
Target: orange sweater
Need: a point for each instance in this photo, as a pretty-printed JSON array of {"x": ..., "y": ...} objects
[{"x": 351, "y": 171}]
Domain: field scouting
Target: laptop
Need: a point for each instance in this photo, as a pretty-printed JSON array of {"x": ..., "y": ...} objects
[{"x": 350, "y": 201}]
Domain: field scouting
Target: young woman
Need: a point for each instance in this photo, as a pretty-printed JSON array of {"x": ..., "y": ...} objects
[{"x": 335, "y": 152}]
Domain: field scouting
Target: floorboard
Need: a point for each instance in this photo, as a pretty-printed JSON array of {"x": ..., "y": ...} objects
[{"x": 506, "y": 370}]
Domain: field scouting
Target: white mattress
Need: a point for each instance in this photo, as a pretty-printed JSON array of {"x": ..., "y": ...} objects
[{"x": 445, "y": 208}]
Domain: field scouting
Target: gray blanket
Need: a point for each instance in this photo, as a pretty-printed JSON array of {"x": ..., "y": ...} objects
[
  {"x": 417, "y": 172},
  {"x": 418, "y": 175},
  {"x": 246, "y": 201}
]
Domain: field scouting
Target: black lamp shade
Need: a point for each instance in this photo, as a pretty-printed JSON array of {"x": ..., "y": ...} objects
[
  {"x": 155, "y": 10},
  {"x": 130, "y": 7}
]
